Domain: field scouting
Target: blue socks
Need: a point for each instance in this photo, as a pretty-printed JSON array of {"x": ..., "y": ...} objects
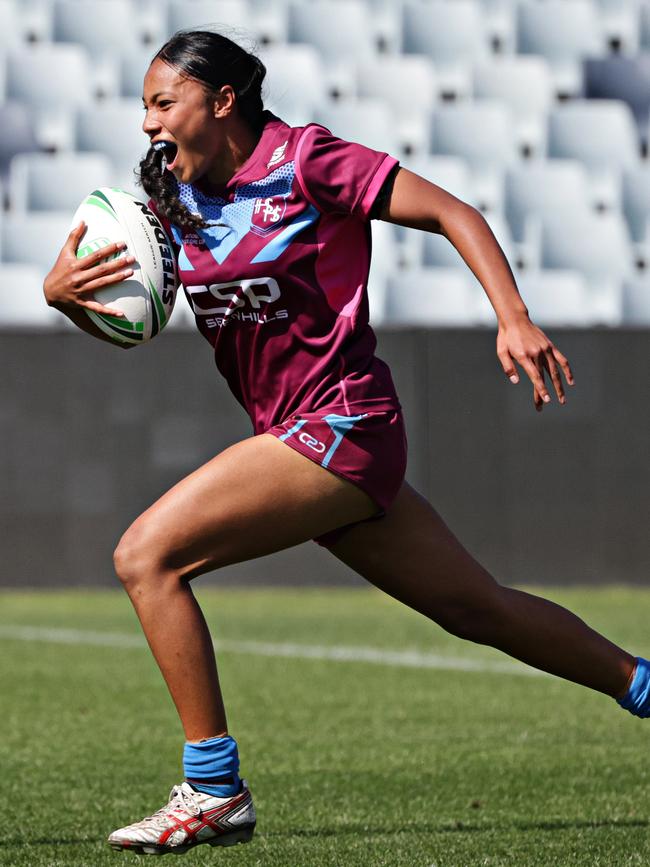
[
  {"x": 637, "y": 698},
  {"x": 212, "y": 766}
]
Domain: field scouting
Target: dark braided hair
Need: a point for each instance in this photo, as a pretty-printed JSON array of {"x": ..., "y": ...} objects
[{"x": 214, "y": 61}]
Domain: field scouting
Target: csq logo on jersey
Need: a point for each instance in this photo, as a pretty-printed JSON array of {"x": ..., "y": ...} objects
[
  {"x": 241, "y": 301},
  {"x": 267, "y": 214}
]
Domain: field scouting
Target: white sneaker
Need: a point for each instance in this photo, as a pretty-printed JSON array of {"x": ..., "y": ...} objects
[{"x": 189, "y": 819}]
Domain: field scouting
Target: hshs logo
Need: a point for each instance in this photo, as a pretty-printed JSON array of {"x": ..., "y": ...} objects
[
  {"x": 267, "y": 214},
  {"x": 255, "y": 292}
]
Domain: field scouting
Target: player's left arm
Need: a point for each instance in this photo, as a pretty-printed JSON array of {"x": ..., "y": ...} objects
[{"x": 418, "y": 204}]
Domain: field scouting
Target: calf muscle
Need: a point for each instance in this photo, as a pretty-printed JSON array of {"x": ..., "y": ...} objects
[{"x": 413, "y": 556}]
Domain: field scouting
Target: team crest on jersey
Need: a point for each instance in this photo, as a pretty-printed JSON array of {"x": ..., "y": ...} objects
[
  {"x": 267, "y": 214},
  {"x": 277, "y": 155}
]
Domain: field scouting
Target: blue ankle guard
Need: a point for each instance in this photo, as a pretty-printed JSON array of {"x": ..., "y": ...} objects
[
  {"x": 212, "y": 766},
  {"x": 637, "y": 698}
]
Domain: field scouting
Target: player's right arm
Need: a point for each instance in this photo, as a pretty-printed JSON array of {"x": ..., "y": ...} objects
[{"x": 70, "y": 285}]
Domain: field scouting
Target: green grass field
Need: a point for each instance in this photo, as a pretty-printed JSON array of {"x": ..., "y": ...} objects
[{"x": 350, "y": 762}]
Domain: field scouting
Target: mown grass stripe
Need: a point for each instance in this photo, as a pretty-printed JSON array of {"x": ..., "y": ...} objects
[{"x": 287, "y": 650}]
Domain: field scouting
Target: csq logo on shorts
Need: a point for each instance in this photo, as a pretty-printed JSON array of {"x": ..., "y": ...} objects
[{"x": 337, "y": 427}]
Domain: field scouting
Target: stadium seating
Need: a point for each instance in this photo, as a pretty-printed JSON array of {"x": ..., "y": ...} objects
[
  {"x": 564, "y": 32},
  {"x": 295, "y": 81},
  {"x": 636, "y": 302},
  {"x": 453, "y": 34},
  {"x": 264, "y": 24},
  {"x": 463, "y": 92},
  {"x": 95, "y": 131},
  {"x": 109, "y": 26},
  {"x": 340, "y": 31},
  {"x": 34, "y": 238},
  {"x": 541, "y": 191},
  {"x": 557, "y": 298},
  {"x": 368, "y": 121},
  {"x": 621, "y": 78},
  {"x": 18, "y": 134},
  {"x": 22, "y": 304},
  {"x": 432, "y": 297},
  {"x": 598, "y": 246},
  {"x": 45, "y": 182},
  {"x": 525, "y": 85}
]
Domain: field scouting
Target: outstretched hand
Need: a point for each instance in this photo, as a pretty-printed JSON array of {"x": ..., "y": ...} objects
[{"x": 523, "y": 342}]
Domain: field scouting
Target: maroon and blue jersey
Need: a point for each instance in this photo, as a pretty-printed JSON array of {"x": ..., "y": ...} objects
[{"x": 278, "y": 280}]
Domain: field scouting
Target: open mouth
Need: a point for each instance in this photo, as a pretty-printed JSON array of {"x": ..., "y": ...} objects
[{"x": 170, "y": 150}]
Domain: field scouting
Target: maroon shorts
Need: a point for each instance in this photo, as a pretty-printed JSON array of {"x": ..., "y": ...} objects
[{"x": 368, "y": 449}]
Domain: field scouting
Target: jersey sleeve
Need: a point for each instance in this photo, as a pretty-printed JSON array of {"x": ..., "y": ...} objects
[{"x": 340, "y": 176}]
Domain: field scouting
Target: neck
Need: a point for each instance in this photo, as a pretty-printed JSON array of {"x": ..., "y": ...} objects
[{"x": 239, "y": 143}]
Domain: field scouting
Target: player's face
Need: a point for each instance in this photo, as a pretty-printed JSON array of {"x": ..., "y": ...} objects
[{"x": 182, "y": 111}]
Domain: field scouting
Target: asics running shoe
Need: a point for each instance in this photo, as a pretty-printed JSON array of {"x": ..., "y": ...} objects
[{"x": 189, "y": 819}]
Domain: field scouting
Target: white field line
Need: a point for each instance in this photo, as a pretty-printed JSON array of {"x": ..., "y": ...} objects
[{"x": 287, "y": 650}]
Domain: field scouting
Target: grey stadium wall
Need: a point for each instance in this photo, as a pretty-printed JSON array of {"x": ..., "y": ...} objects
[{"x": 92, "y": 435}]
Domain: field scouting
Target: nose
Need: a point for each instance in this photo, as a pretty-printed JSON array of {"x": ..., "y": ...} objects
[{"x": 150, "y": 125}]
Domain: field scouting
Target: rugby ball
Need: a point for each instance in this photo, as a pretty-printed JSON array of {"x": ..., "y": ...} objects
[{"x": 147, "y": 297}]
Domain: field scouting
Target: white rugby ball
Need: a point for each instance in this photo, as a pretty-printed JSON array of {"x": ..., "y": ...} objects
[{"x": 147, "y": 297}]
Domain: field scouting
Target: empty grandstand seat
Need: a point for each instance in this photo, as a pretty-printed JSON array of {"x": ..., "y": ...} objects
[
  {"x": 409, "y": 85},
  {"x": 636, "y": 202},
  {"x": 564, "y": 32},
  {"x": 482, "y": 133},
  {"x": 18, "y": 134},
  {"x": 22, "y": 304},
  {"x": 101, "y": 26},
  {"x": 22, "y": 23},
  {"x": 384, "y": 262},
  {"x": 34, "y": 238},
  {"x": 597, "y": 245},
  {"x": 557, "y": 298},
  {"x": 620, "y": 24},
  {"x": 237, "y": 19},
  {"x": 452, "y": 33},
  {"x": 599, "y": 133},
  {"x": 431, "y": 297},
  {"x": 368, "y": 122},
  {"x": 340, "y": 31},
  {"x": 636, "y": 302},
  {"x": 295, "y": 80},
  {"x": 526, "y": 86},
  {"x": 49, "y": 77},
  {"x": 113, "y": 127},
  {"x": 538, "y": 191},
  {"x": 621, "y": 78},
  {"x": 44, "y": 182}
]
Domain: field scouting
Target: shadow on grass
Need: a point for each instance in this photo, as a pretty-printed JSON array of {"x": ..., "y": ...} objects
[{"x": 459, "y": 828}]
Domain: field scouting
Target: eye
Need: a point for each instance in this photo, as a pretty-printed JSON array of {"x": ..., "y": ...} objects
[{"x": 164, "y": 103}]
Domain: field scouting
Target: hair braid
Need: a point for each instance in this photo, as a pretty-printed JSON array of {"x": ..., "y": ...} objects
[{"x": 161, "y": 186}]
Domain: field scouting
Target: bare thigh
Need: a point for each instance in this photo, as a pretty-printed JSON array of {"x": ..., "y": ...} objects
[{"x": 256, "y": 497}]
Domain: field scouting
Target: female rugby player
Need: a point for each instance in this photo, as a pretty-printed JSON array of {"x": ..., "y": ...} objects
[{"x": 271, "y": 228}]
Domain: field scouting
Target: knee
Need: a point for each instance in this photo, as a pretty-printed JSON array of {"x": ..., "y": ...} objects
[{"x": 138, "y": 558}]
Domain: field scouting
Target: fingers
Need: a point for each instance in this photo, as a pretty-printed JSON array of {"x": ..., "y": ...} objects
[
  {"x": 74, "y": 237},
  {"x": 107, "y": 252},
  {"x": 96, "y": 307},
  {"x": 107, "y": 279},
  {"x": 564, "y": 364},
  {"x": 508, "y": 365}
]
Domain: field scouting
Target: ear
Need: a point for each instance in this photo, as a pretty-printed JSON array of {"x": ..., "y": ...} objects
[{"x": 224, "y": 101}]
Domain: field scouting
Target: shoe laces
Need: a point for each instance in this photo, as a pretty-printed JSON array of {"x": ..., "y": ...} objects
[{"x": 179, "y": 799}]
